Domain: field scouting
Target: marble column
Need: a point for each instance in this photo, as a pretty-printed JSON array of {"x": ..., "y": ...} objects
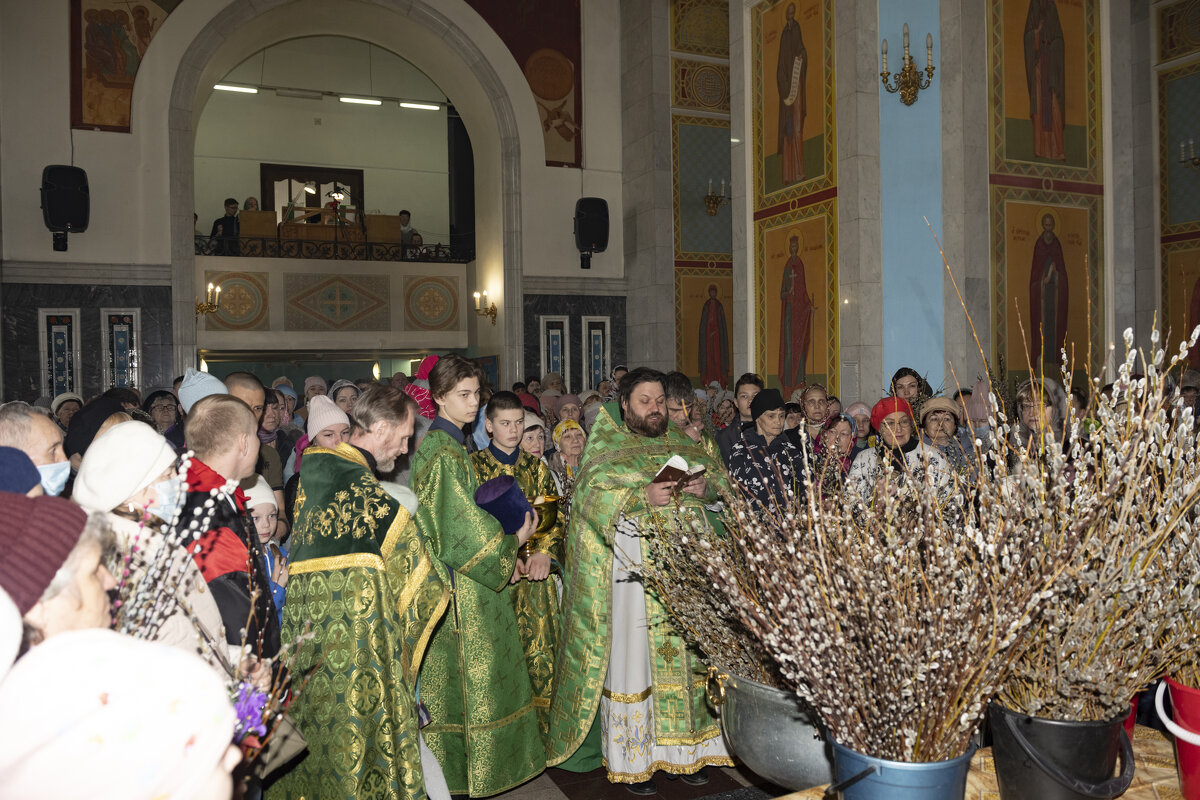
[
  {"x": 860, "y": 266},
  {"x": 646, "y": 191},
  {"x": 962, "y": 71}
]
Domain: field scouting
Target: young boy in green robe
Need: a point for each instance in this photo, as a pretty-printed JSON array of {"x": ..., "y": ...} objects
[{"x": 535, "y": 595}]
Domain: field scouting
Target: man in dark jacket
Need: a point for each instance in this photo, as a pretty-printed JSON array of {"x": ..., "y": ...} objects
[{"x": 223, "y": 433}]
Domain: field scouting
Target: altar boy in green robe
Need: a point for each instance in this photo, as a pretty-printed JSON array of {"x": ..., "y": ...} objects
[
  {"x": 535, "y": 595},
  {"x": 474, "y": 680}
]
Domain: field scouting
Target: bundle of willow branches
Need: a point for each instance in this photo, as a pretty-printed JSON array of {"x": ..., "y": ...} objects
[
  {"x": 895, "y": 623},
  {"x": 1125, "y": 610},
  {"x": 705, "y": 617}
]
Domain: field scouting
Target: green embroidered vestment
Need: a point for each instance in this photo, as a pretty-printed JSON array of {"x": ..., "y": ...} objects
[
  {"x": 364, "y": 580},
  {"x": 474, "y": 680},
  {"x": 616, "y": 467},
  {"x": 535, "y": 602}
]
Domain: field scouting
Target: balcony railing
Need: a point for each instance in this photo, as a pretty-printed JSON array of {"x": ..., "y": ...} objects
[{"x": 277, "y": 247}]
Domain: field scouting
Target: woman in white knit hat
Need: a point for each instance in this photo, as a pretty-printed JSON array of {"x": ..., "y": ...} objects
[
  {"x": 129, "y": 472},
  {"x": 327, "y": 426}
]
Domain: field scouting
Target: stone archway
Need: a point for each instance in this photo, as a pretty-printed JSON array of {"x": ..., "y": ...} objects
[{"x": 244, "y": 27}]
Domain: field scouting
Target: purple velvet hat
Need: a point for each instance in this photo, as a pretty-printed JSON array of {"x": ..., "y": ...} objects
[{"x": 503, "y": 499}]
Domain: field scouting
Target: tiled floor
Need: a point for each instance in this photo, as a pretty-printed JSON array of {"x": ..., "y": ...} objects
[{"x": 557, "y": 784}]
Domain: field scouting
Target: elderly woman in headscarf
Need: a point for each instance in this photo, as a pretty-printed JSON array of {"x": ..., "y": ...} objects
[
  {"x": 939, "y": 428},
  {"x": 899, "y": 447},
  {"x": 343, "y": 393},
  {"x": 833, "y": 453},
  {"x": 569, "y": 439}
]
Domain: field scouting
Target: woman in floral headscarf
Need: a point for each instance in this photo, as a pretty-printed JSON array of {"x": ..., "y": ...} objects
[{"x": 569, "y": 438}]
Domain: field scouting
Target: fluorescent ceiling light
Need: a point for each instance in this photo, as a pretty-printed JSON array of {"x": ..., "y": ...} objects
[
  {"x": 228, "y": 87},
  {"x": 299, "y": 94},
  {"x": 362, "y": 101},
  {"x": 420, "y": 106},
  {"x": 735, "y": 141}
]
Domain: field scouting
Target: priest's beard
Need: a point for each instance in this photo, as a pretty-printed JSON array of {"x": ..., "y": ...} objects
[
  {"x": 385, "y": 467},
  {"x": 653, "y": 424}
]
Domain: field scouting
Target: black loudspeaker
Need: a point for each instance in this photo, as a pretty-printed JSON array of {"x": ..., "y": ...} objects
[
  {"x": 591, "y": 224},
  {"x": 65, "y": 198}
]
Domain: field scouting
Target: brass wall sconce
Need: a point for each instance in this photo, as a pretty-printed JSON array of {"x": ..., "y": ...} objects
[
  {"x": 1188, "y": 158},
  {"x": 909, "y": 81},
  {"x": 211, "y": 304},
  {"x": 483, "y": 308},
  {"x": 713, "y": 202}
]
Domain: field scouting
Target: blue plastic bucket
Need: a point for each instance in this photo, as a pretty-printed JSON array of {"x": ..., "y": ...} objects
[{"x": 900, "y": 780}]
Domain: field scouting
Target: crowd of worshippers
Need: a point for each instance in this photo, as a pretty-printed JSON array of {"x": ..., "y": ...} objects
[{"x": 322, "y": 544}]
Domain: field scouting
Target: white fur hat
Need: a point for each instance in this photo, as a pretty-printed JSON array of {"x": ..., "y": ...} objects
[{"x": 120, "y": 463}]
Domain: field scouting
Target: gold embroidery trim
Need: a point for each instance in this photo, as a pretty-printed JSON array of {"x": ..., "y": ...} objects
[
  {"x": 483, "y": 553},
  {"x": 398, "y": 522},
  {"x": 418, "y": 653},
  {"x": 499, "y": 723},
  {"x": 695, "y": 766},
  {"x": 364, "y": 560},
  {"x": 702, "y": 735},
  {"x": 618, "y": 697}
]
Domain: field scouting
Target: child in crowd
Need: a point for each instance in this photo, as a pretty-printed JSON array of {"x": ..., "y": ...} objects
[
  {"x": 535, "y": 599},
  {"x": 260, "y": 503}
]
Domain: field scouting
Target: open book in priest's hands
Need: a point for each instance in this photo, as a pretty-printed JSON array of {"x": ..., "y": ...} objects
[{"x": 677, "y": 471}]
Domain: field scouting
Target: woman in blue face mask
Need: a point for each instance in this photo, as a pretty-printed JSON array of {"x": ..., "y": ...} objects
[{"x": 130, "y": 472}]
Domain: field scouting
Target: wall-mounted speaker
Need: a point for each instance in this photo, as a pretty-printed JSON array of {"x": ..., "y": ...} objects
[
  {"x": 65, "y": 199},
  {"x": 591, "y": 224}
]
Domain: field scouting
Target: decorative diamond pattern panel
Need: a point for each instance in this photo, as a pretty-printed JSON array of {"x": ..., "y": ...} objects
[{"x": 336, "y": 302}]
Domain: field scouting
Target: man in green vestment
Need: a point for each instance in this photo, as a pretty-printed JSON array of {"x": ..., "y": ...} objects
[
  {"x": 628, "y": 690},
  {"x": 365, "y": 582},
  {"x": 474, "y": 681}
]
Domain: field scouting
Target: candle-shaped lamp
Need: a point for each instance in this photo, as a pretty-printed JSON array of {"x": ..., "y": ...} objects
[
  {"x": 1182, "y": 154},
  {"x": 710, "y": 185},
  {"x": 722, "y": 187},
  {"x": 477, "y": 301},
  {"x": 906, "y": 40},
  {"x": 208, "y": 295},
  {"x": 885, "y": 69},
  {"x": 928, "y": 49}
]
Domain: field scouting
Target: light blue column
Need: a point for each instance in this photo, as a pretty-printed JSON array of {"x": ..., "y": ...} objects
[{"x": 910, "y": 182}]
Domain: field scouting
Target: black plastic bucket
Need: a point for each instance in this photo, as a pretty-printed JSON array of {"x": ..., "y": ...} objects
[{"x": 1059, "y": 760}]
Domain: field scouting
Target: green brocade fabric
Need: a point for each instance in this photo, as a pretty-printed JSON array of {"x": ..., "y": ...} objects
[
  {"x": 474, "y": 680},
  {"x": 617, "y": 466},
  {"x": 372, "y": 593},
  {"x": 535, "y": 602}
]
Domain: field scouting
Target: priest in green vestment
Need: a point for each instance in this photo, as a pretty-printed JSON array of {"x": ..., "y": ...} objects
[
  {"x": 474, "y": 681},
  {"x": 369, "y": 590},
  {"x": 535, "y": 595},
  {"x": 629, "y": 692}
]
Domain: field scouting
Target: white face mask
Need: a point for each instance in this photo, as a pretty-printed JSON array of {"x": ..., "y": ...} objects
[
  {"x": 54, "y": 476},
  {"x": 170, "y": 499}
]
